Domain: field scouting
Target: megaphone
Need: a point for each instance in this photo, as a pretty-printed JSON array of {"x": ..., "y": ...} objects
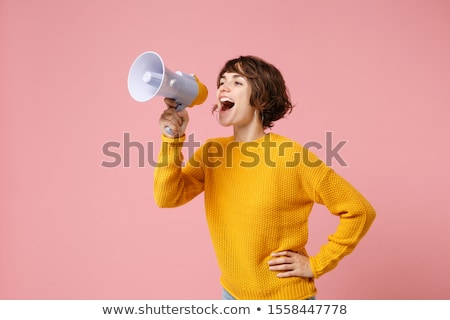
[{"x": 148, "y": 77}]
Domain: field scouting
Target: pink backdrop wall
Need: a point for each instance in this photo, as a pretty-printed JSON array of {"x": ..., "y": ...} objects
[{"x": 374, "y": 73}]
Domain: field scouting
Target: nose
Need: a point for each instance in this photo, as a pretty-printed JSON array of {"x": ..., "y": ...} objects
[{"x": 224, "y": 87}]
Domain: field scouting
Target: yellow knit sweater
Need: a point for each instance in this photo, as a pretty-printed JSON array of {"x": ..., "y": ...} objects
[{"x": 258, "y": 197}]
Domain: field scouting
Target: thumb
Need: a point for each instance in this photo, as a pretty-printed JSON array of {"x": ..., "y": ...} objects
[{"x": 184, "y": 115}]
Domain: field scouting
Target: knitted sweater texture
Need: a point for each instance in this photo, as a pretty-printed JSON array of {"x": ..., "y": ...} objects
[{"x": 258, "y": 197}]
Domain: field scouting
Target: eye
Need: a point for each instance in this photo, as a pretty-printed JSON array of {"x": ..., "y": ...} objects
[{"x": 238, "y": 83}]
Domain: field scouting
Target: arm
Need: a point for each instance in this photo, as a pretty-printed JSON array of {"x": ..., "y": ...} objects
[
  {"x": 324, "y": 186},
  {"x": 175, "y": 185},
  {"x": 356, "y": 216}
]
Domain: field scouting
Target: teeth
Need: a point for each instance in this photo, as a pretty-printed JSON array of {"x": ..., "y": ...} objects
[{"x": 226, "y": 99}]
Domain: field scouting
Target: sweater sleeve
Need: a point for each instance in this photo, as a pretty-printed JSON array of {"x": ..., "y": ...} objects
[
  {"x": 176, "y": 183},
  {"x": 356, "y": 216}
]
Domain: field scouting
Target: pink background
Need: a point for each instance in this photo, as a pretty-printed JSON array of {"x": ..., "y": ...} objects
[{"x": 375, "y": 73}]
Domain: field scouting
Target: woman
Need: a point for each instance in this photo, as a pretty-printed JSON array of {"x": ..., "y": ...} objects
[{"x": 259, "y": 189}]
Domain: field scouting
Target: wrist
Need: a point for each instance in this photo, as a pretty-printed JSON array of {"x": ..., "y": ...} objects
[{"x": 172, "y": 139}]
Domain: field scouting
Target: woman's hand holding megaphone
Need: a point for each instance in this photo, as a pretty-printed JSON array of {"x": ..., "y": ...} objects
[{"x": 175, "y": 120}]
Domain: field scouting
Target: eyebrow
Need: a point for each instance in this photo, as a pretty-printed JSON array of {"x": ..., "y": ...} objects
[{"x": 234, "y": 76}]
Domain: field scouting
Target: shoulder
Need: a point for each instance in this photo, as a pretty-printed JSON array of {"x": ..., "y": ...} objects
[
  {"x": 297, "y": 155},
  {"x": 281, "y": 139},
  {"x": 286, "y": 144}
]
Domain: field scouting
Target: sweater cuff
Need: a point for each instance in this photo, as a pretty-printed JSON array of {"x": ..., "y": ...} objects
[
  {"x": 173, "y": 140},
  {"x": 315, "y": 267}
]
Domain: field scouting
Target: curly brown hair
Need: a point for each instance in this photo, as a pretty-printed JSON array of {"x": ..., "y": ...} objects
[{"x": 269, "y": 92}]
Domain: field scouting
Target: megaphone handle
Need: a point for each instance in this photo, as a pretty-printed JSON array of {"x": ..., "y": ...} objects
[{"x": 179, "y": 108}]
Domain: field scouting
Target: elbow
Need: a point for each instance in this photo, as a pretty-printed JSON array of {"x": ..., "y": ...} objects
[
  {"x": 371, "y": 214},
  {"x": 163, "y": 200},
  {"x": 374, "y": 214},
  {"x": 163, "y": 203}
]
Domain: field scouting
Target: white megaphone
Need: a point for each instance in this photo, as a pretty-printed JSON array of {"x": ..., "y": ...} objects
[{"x": 149, "y": 77}]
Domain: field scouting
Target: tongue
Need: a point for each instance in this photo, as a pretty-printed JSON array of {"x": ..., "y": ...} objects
[{"x": 227, "y": 105}]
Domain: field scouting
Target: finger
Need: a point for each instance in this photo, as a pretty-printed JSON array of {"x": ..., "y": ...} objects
[
  {"x": 283, "y": 260},
  {"x": 287, "y": 274},
  {"x": 279, "y": 254},
  {"x": 169, "y": 131},
  {"x": 173, "y": 125},
  {"x": 169, "y": 122},
  {"x": 282, "y": 267},
  {"x": 175, "y": 122},
  {"x": 170, "y": 103},
  {"x": 183, "y": 114},
  {"x": 172, "y": 114}
]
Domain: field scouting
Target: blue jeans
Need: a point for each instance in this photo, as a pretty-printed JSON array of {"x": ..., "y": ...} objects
[{"x": 227, "y": 296}]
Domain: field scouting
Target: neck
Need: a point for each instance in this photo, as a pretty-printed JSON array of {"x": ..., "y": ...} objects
[{"x": 248, "y": 133}]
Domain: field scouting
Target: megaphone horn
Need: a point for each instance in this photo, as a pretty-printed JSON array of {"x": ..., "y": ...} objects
[{"x": 148, "y": 77}]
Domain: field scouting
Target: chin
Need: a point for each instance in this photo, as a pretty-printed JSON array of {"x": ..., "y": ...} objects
[{"x": 225, "y": 124}]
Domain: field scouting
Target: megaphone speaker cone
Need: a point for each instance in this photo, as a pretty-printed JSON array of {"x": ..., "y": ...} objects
[{"x": 146, "y": 76}]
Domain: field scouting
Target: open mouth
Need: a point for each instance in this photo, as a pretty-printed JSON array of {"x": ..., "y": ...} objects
[{"x": 226, "y": 104}]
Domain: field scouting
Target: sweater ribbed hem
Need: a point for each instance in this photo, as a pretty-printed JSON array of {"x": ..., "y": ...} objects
[{"x": 299, "y": 291}]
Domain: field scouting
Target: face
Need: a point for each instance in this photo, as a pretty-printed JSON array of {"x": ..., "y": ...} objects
[{"x": 233, "y": 100}]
